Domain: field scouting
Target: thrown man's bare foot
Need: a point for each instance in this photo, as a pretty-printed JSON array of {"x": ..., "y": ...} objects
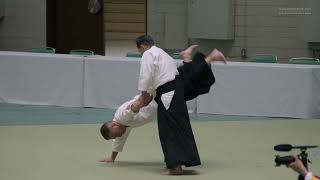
[
  {"x": 215, "y": 55},
  {"x": 107, "y": 160},
  {"x": 186, "y": 55},
  {"x": 173, "y": 172}
]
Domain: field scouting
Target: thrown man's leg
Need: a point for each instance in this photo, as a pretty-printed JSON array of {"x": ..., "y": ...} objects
[{"x": 196, "y": 73}]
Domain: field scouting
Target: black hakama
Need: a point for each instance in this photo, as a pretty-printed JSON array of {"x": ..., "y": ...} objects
[{"x": 176, "y": 136}]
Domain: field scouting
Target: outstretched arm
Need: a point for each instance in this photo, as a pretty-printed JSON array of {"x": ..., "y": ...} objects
[
  {"x": 145, "y": 116},
  {"x": 145, "y": 81},
  {"x": 117, "y": 146}
]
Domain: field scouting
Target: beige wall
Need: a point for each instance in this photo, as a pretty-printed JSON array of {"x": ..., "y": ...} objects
[
  {"x": 167, "y": 22},
  {"x": 124, "y": 19},
  {"x": 261, "y": 30},
  {"x": 258, "y": 28},
  {"x": 24, "y": 25}
]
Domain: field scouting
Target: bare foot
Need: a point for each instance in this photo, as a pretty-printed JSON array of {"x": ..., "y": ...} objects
[
  {"x": 107, "y": 160},
  {"x": 215, "y": 55},
  {"x": 173, "y": 172},
  {"x": 187, "y": 53}
]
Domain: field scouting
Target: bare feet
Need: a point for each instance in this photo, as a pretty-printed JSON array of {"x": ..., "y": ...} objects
[
  {"x": 173, "y": 172},
  {"x": 215, "y": 55},
  {"x": 107, "y": 160},
  {"x": 186, "y": 55}
]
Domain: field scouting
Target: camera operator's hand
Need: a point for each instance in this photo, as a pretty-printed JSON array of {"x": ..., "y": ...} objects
[{"x": 298, "y": 166}]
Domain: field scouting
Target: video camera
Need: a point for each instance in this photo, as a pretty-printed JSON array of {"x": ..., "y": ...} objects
[{"x": 286, "y": 160}]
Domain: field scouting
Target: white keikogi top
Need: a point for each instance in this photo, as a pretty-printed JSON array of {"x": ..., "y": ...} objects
[
  {"x": 126, "y": 117},
  {"x": 156, "y": 69}
]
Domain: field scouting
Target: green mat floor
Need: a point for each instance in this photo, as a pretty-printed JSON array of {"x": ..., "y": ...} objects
[{"x": 13, "y": 114}]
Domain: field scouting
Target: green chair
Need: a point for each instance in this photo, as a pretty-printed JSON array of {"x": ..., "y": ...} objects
[
  {"x": 311, "y": 61},
  {"x": 315, "y": 50},
  {"x": 82, "y": 52},
  {"x": 43, "y": 50},
  {"x": 176, "y": 56},
  {"x": 136, "y": 54},
  {"x": 264, "y": 58},
  {"x": 174, "y": 53}
]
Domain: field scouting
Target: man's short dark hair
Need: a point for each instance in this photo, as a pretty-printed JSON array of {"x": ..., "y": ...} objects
[
  {"x": 144, "y": 40},
  {"x": 104, "y": 130}
]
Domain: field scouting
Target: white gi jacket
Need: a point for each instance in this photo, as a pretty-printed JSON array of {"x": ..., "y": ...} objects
[
  {"x": 126, "y": 117},
  {"x": 156, "y": 69}
]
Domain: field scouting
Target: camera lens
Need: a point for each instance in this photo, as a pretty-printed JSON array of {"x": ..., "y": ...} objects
[{"x": 285, "y": 160}]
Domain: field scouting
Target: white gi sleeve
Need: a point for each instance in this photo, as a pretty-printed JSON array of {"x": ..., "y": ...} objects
[
  {"x": 124, "y": 114},
  {"x": 118, "y": 143},
  {"x": 146, "y": 115},
  {"x": 146, "y": 72}
]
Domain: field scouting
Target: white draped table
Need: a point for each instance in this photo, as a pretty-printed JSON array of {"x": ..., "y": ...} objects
[
  {"x": 261, "y": 89},
  {"x": 41, "y": 79},
  {"x": 251, "y": 89},
  {"x": 110, "y": 81}
]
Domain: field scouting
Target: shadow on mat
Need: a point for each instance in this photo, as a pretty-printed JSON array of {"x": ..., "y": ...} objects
[
  {"x": 138, "y": 163},
  {"x": 189, "y": 172},
  {"x": 152, "y": 167}
]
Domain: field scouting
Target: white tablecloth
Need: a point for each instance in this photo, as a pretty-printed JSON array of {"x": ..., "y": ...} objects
[
  {"x": 110, "y": 81},
  {"x": 41, "y": 79},
  {"x": 255, "y": 89},
  {"x": 252, "y": 89}
]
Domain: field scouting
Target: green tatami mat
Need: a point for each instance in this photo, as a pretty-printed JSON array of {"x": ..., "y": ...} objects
[
  {"x": 13, "y": 114},
  {"x": 238, "y": 150}
]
